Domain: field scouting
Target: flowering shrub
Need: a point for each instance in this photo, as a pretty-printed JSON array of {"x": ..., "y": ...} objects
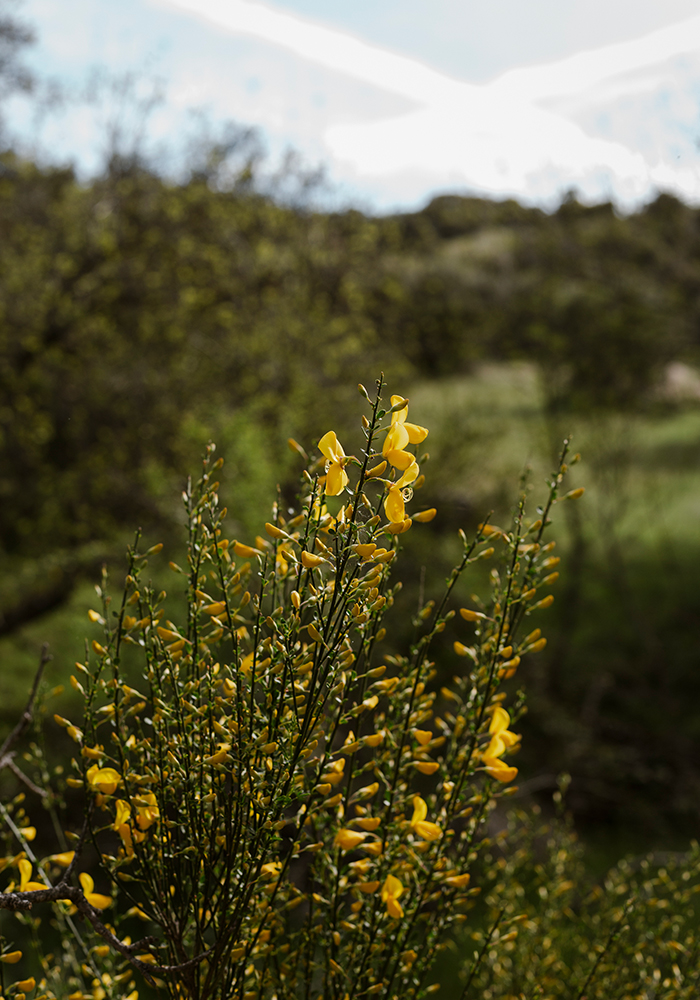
[{"x": 284, "y": 808}]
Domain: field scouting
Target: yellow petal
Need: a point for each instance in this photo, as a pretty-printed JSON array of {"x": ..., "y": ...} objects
[
  {"x": 310, "y": 560},
  {"x": 365, "y": 550},
  {"x": 395, "y": 440},
  {"x": 368, "y": 887},
  {"x": 346, "y": 839},
  {"x": 87, "y": 882},
  {"x": 245, "y": 551},
  {"x": 510, "y": 739},
  {"x": 399, "y": 459},
  {"x": 394, "y": 507},
  {"x": 458, "y": 881},
  {"x": 330, "y": 446},
  {"x": 409, "y": 475},
  {"x": 424, "y": 516},
  {"x": 471, "y": 616},
  {"x": 25, "y": 871},
  {"x": 426, "y": 830},
  {"x": 336, "y": 480},
  {"x": 416, "y": 433},
  {"x": 63, "y": 859},
  {"x": 498, "y": 770},
  {"x": 370, "y": 823},
  {"x": 97, "y": 900},
  {"x": 423, "y": 736},
  {"x": 420, "y": 809},
  {"x": 495, "y": 748},
  {"x": 375, "y": 848},
  {"x": 104, "y": 779},
  {"x": 399, "y": 416},
  {"x": 392, "y": 887},
  {"x": 10, "y": 957},
  {"x": 271, "y": 868},
  {"x": 500, "y": 720},
  {"x": 425, "y": 766}
]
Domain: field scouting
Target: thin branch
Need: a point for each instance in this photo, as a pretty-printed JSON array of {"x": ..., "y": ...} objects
[
  {"x": 7, "y": 761},
  {"x": 28, "y": 713},
  {"x": 63, "y": 891}
]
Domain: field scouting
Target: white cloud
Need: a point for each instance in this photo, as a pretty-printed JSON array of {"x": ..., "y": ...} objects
[{"x": 530, "y": 133}]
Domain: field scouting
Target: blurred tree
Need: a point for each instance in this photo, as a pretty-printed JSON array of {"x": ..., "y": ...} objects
[{"x": 14, "y": 36}]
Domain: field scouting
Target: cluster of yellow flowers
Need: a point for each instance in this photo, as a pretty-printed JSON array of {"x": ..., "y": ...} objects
[
  {"x": 401, "y": 433},
  {"x": 348, "y": 840},
  {"x": 501, "y": 740},
  {"x": 274, "y": 741}
]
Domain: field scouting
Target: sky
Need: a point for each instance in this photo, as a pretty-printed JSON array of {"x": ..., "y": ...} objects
[{"x": 398, "y": 101}]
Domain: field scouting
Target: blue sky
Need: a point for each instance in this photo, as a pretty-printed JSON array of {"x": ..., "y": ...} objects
[{"x": 400, "y": 100}]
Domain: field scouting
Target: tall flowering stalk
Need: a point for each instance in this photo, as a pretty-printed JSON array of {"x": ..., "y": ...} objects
[{"x": 285, "y": 809}]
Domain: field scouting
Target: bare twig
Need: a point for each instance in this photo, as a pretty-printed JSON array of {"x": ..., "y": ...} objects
[
  {"x": 63, "y": 891},
  {"x": 7, "y": 761},
  {"x": 28, "y": 713}
]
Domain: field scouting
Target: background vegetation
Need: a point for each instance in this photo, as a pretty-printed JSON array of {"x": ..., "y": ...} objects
[{"x": 142, "y": 315}]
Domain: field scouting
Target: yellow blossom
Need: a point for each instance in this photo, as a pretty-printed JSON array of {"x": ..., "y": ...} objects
[
  {"x": 501, "y": 740},
  {"x": 121, "y": 825},
  {"x": 103, "y": 779},
  {"x": 271, "y": 869},
  {"x": 64, "y": 859},
  {"x": 391, "y": 890},
  {"x": 10, "y": 957},
  {"x": 368, "y": 887},
  {"x": 426, "y": 766},
  {"x": 147, "y": 811},
  {"x": 25, "y": 874},
  {"x": 400, "y": 434},
  {"x": 424, "y": 829},
  {"x": 458, "y": 881},
  {"x": 95, "y": 899},
  {"x": 425, "y": 515},
  {"x": 347, "y": 840},
  {"x": 336, "y": 476},
  {"x": 394, "y": 503}
]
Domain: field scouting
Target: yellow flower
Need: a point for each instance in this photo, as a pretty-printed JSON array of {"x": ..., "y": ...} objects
[
  {"x": 391, "y": 890},
  {"x": 399, "y": 435},
  {"x": 346, "y": 839},
  {"x": 271, "y": 869},
  {"x": 121, "y": 825},
  {"x": 103, "y": 779},
  {"x": 25, "y": 874},
  {"x": 147, "y": 812},
  {"x": 336, "y": 476},
  {"x": 11, "y": 957},
  {"x": 458, "y": 881},
  {"x": 394, "y": 505},
  {"x": 63, "y": 859},
  {"x": 501, "y": 740},
  {"x": 424, "y": 829},
  {"x": 95, "y": 899}
]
